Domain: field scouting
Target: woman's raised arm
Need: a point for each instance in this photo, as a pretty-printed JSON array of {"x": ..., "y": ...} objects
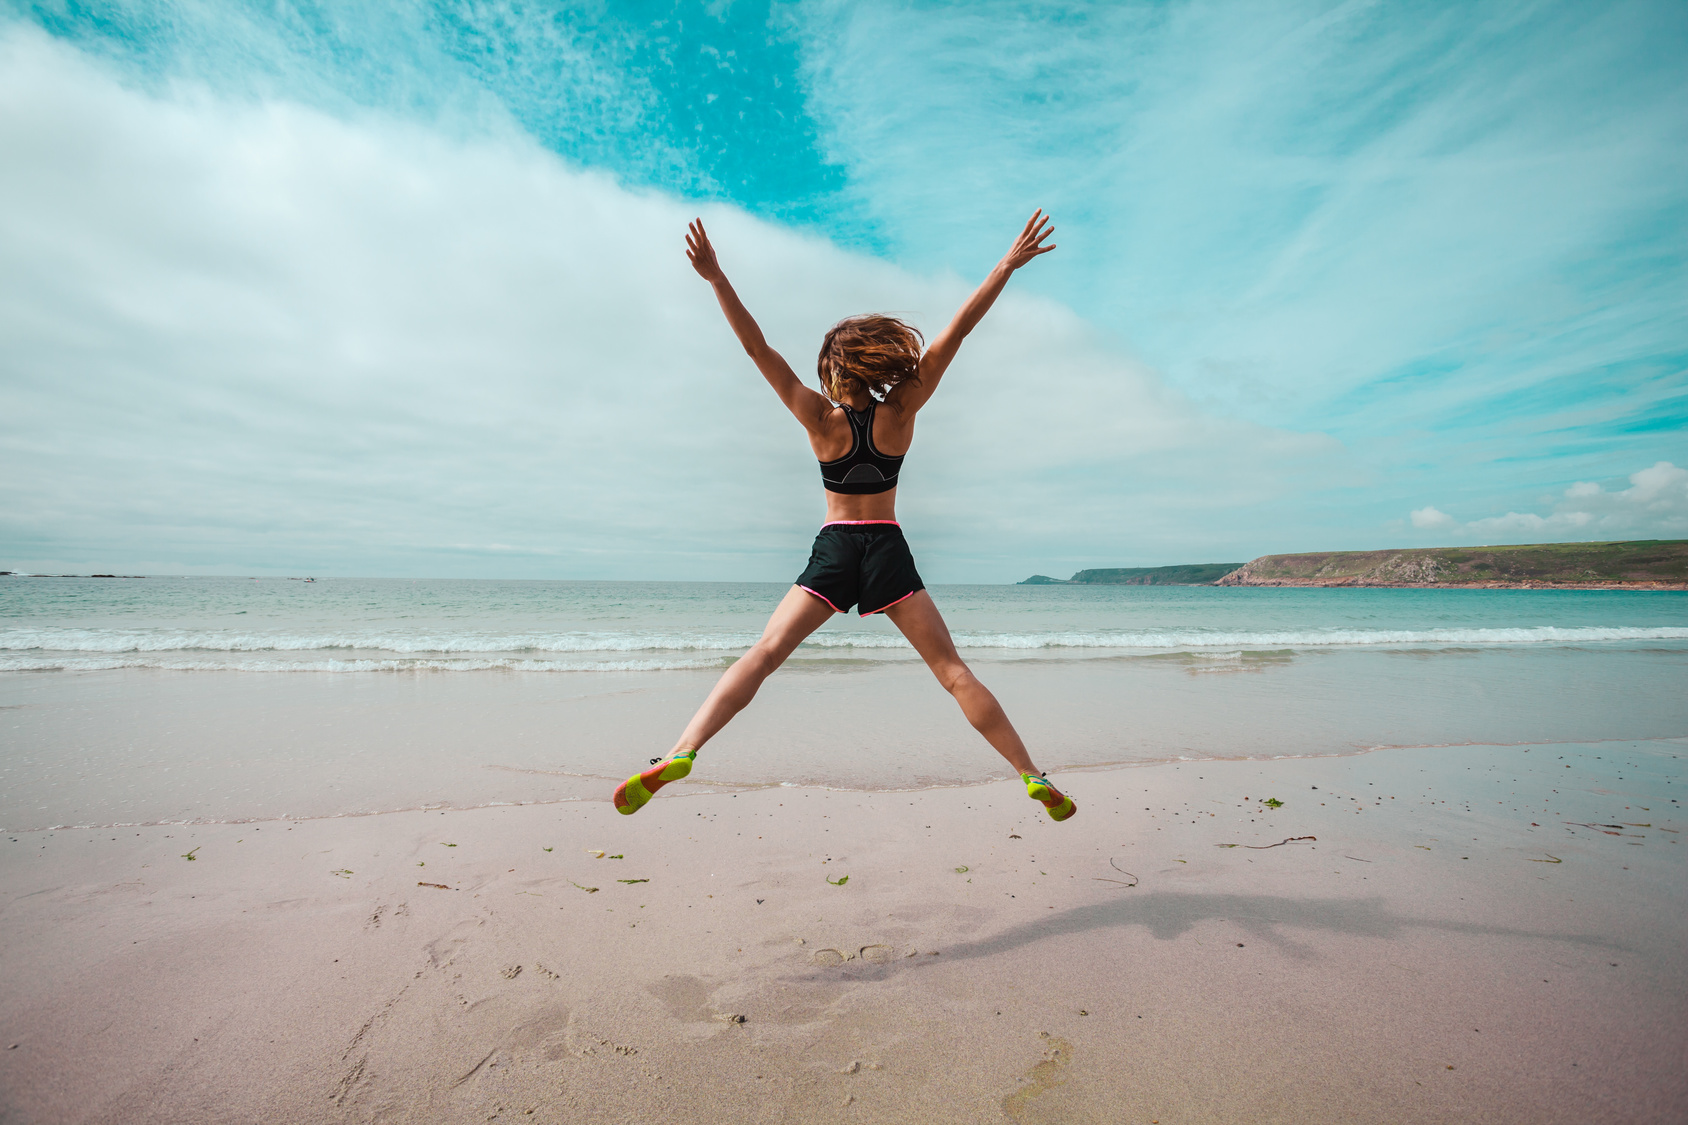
[
  {"x": 911, "y": 396},
  {"x": 806, "y": 405}
]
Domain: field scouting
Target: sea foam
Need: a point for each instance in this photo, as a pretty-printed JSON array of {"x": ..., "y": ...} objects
[{"x": 52, "y": 649}]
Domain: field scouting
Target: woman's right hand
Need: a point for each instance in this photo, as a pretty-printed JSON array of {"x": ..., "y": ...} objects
[
  {"x": 1028, "y": 245},
  {"x": 702, "y": 254}
]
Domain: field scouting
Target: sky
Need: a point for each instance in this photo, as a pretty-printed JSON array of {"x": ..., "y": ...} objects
[{"x": 399, "y": 289}]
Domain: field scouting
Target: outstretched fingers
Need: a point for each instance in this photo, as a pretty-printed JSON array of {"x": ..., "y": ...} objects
[
  {"x": 1039, "y": 229},
  {"x": 699, "y": 251},
  {"x": 1030, "y": 243}
]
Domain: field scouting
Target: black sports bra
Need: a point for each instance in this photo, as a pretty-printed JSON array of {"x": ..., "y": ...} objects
[{"x": 864, "y": 469}]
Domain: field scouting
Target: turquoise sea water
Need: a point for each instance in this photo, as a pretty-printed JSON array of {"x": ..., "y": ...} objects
[
  {"x": 388, "y": 625},
  {"x": 133, "y": 701}
]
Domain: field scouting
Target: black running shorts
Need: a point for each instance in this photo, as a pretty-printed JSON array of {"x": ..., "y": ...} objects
[{"x": 868, "y": 563}]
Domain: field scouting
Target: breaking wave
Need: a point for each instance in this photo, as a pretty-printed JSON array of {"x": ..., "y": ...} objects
[
  {"x": 73, "y": 663},
  {"x": 50, "y": 649}
]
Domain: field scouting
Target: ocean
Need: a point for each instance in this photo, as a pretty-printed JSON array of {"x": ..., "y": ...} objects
[
  {"x": 147, "y": 700},
  {"x": 353, "y": 625}
]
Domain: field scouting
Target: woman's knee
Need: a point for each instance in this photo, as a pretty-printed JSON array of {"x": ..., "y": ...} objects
[
  {"x": 954, "y": 675},
  {"x": 767, "y": 654}
]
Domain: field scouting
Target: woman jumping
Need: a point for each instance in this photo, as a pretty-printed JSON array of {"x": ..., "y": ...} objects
[{"x": 876, "y": 380}]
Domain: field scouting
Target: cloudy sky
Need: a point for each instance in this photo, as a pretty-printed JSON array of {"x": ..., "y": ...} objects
[{"x": 398, "y": 289}]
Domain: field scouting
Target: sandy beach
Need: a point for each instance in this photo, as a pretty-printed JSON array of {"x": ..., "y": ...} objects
[{"x": 1484, "y": 934}]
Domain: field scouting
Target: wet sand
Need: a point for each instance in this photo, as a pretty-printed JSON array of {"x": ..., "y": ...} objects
[
  {"x": 140, "y": 746},
  {"x": 1457, "y": 944}
]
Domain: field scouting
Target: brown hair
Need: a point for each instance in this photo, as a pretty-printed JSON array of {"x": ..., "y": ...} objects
[{"x": 879, "y": 352}]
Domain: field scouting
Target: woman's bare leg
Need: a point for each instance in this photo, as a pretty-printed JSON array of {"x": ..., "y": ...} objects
[
  {"x": 918, "y": 618},
  {"x": 798, "y": 614}
]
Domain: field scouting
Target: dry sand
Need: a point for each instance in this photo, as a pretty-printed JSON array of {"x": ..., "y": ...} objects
[{"x": 1456, "y": 945}]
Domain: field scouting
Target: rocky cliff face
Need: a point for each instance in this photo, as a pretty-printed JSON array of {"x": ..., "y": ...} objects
[
  {"x": 1638, "y": 564},
  {"x": 1371, "y": 569}
]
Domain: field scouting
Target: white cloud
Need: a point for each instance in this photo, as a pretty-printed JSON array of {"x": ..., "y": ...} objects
[
  {"x": 1655, "y": 505},
  {"x": 1430, "y": 518},
  {"x": 247, "y": 335},
  {"x": 1285, "y": 204}
]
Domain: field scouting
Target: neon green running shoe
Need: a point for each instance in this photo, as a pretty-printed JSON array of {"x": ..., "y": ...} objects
[
  {"x": 632, "y": 794},
  {"x": 1038, "y": 789}
]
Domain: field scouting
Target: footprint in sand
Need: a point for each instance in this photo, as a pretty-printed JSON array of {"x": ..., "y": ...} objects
[
  {"x": 686, "y": 997},
  {"x": 873, "y": 954},
  {"x": 1042, "y": 1077}
]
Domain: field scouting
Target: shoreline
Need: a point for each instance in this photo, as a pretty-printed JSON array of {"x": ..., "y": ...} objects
[
  {"x": 692, "y": 787},
  {"x": 980, "y": 962}
]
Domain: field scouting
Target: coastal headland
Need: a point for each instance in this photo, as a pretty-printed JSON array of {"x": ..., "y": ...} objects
[
  {"x": 1634, "y": 564},
  {"x": 1638, "y": 564},
  {"x": 1188, "y": 574}
]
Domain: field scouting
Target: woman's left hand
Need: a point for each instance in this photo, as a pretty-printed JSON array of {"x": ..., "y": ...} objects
[{"x": 1029, "y": 244}]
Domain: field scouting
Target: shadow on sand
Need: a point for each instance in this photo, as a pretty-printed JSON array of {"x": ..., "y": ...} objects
[
  {"x": 1264, "y": 918},
  {"x": 1170, "y": 914}
]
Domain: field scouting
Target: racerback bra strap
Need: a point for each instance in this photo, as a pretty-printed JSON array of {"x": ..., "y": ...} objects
[{"x": 863, "y": 470}]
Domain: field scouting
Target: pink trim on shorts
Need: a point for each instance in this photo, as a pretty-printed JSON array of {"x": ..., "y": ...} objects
[
  {"x": 819, "y": 595},
  {"x": 887, "y": 606},
  {"x": 857, "y": 523}
]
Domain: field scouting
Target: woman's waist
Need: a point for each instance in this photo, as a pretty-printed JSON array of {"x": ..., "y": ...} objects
[
  {"x": 877, "y": 508},
  {"x": 884, "y": 527}
]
